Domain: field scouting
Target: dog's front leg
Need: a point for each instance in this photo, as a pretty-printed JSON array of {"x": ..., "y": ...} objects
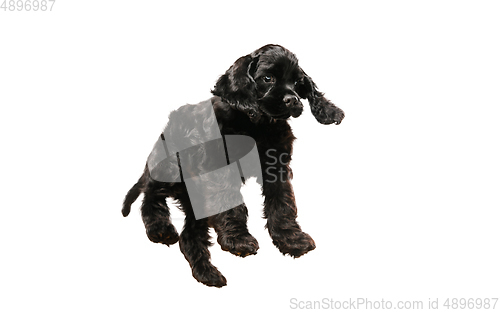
[
  {"x": 232, "y": 231},
  {"x": 280, "y": 209}
]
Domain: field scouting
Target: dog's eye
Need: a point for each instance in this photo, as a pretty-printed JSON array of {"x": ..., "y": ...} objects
[{"x": 268, "y": 79}]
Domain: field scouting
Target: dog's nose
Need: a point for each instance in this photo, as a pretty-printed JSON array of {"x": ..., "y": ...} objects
[
  {"x": 294, "y": 105},
  {"x": 290, "y": 101}
]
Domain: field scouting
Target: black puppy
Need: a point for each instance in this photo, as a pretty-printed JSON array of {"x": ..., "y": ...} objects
[{"x": 254, "y": 98}]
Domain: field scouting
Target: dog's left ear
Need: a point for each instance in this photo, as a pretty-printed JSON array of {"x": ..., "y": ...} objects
[
  {"x": 238, "y": 87},
  {"x": 323, "y": 110}
]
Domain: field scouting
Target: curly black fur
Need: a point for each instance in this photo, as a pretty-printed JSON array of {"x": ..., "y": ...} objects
[{"x": 255, "y": 97}]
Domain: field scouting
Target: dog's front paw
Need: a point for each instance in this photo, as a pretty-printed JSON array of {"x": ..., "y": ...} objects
[
  {"x": 295, "y": 244},
  {"x": 209, "y": 275},
  {"x": 240, "y": 245},
  {"x": 162, "y": 232}
]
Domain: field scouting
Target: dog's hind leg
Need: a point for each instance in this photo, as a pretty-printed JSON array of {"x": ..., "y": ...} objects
[
  {"x": 194, "y": 242},
  {"x": 156, "y": 216}
]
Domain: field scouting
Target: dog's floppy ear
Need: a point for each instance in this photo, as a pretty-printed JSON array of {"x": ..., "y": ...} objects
[
  {"x": 238, "y": 87},
  {"x": 323, "y": 110}
]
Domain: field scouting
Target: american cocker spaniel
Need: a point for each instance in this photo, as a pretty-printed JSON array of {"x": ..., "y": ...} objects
[{"x": 207, "y": 151}]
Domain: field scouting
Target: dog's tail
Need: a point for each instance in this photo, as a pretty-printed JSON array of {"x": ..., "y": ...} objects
[{"x": 133, "y": 194}]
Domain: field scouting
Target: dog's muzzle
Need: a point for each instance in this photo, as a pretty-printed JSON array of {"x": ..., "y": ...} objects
[{"x": 294, "y": 105}]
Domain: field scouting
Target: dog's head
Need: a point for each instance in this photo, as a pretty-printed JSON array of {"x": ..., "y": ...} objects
[{"x": 269, "y": 83}]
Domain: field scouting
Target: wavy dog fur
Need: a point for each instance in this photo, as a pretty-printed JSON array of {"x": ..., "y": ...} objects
[{"x": 255, "y": 97}]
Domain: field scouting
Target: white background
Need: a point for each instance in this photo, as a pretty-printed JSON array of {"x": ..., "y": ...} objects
[{"x": 402, "y": 198}]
